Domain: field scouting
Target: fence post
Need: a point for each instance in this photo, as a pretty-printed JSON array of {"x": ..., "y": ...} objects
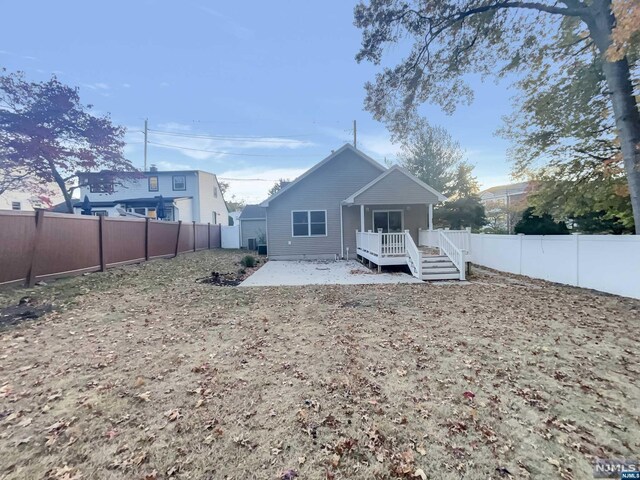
[
  {"x": 103, "y": 265},
  {"x": 194, "y": 235},
  {"x": 146, "y": 238},
  {"x": 178, "y": 237},
  {"x": 31, "y": 276},
  {"x": 520, "y": 237},
  {"x": 577, "y": 237},
  {"x": 209, "y": 236}
]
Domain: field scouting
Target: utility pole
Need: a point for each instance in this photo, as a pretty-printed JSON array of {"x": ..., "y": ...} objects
[
  {"x": 355, "y": 135},
  {"x": 146, "y": 130}
]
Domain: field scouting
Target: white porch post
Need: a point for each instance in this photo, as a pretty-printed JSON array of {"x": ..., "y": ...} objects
[
  {"x": 362, "y": 218},
  {"x": 431, "y": 216}
]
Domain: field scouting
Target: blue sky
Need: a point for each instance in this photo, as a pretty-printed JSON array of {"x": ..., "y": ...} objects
[{"x": 262, "y": 70}]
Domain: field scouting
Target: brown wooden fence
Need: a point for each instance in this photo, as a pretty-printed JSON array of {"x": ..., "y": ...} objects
[{"x": 41, "y": 245}]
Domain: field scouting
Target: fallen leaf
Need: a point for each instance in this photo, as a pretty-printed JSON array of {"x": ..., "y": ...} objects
[
  {"x": 421, "y": 450},
  {"x": 302, "y": 459},
  {"x": 146, "y": 396},
  {"x": 172, "y": 414},
  {"x": 420, "y": 473},
  {"x": 139, "y": 382},
  {"x": 151, "y": 476},
  {"x": 469, "y": 395}
]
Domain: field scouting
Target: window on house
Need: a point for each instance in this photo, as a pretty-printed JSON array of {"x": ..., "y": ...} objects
[
  {"x": 16, "y": 206},
  {"x": 215, "y": 218},
  {"x": 153, "y": 184},
  {"x": 179, "y": 182},
  {"x": 389, "y": 221},
  {"x": 309, "y": 223},
  {"x": 215, "y": 192},
  {"x": 101, "y": 187},
  {"x": 100, "y": 213}
]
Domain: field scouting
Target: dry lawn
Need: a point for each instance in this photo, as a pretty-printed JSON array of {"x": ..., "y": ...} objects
[{"x": 142, "y": 373}]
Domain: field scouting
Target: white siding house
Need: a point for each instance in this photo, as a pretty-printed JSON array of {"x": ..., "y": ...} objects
[{"x": 188, "y": 195}]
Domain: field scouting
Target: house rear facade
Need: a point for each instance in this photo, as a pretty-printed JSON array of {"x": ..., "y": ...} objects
[
  {"x": 317, "y": 215},
  {"x": 188, "y": 195}
]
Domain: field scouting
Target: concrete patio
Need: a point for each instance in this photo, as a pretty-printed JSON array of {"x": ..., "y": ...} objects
[{"x": 282, "y": 273}]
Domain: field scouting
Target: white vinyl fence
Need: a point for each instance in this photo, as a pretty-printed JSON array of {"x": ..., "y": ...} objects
[
  {"x": 230, "y": 236},
  {"x": 609, "y": 263}
]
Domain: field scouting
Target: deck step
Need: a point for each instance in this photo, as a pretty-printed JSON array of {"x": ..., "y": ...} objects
[
  {"x": 443, "y": 263},
  {"x": 427, "y": 271},
  {"x": 440, "y": 276},
  {"x": 435, "y": 258}
]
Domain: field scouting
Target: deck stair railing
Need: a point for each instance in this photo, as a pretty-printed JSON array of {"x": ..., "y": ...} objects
[
  {"x": 414, "y": 256},
  {"x": 455, "y": 254}
]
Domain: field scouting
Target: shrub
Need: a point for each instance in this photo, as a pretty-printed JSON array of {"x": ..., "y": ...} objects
[{"x": 248, "y": 261}]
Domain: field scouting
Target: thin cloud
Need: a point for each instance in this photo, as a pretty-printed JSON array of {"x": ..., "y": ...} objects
[
  {"x": 255, "y": 191},
  {"x": 97, "y": 86},
  {"x": 233, "y": 27}
]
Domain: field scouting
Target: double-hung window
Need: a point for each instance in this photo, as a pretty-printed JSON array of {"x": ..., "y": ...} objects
[
  {"x": 153, "y": 183},
  {"x": 309, "y": 223},
  {"x": 179, "y": 182}
]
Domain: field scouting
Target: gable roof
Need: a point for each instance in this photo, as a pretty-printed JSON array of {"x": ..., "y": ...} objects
[
  {"x": 253, "y": 212},
  {"x": 346, "y": 146},
  {"x": 395, "y": 168}
]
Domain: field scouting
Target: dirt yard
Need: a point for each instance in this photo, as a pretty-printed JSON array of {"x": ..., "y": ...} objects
[{"x": 143, "y": 373}]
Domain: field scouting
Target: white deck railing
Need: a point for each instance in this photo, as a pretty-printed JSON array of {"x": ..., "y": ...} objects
[
  {"x": 455, "y": 254},
  {"x": 368, "y": 242},
  {"x": 393, "y": 244},
  {"x": 460, "y": 238},
  {"x": 414, "y": 256}
]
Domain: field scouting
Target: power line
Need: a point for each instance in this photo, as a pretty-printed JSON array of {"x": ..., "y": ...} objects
[
  {"x": 244, "y": 138},
  {"x": 180, "y": 147}
]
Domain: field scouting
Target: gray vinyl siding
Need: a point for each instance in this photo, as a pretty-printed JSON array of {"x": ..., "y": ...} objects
[
  {"x": 251, "y": 229},
  {"x": 396, "y": 188},
  {"x": 324, "y": 189},
  {"x": 415, "y": 218}
]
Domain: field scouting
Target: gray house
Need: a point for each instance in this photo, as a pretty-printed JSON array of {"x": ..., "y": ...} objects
[
  {"x": 350, "y": 206},
  {"x": 253, "y": 225}
]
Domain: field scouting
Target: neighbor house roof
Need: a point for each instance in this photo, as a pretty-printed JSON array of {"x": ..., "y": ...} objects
[
  {"x": 511, "y": 189},
  {"x": 395, "y": 168},
  {"x": 134, "y": 202},
  {"x": 346, "y": 146},
  {"x": 253, "y": 212}
]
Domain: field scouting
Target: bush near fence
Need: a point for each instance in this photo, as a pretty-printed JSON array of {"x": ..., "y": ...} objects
[{"x": 41, "y": 245}]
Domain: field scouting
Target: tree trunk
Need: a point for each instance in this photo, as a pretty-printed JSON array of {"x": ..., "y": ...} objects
[
  {"x": 624, "y": 104},
  {"x": 63, "y": 186}
]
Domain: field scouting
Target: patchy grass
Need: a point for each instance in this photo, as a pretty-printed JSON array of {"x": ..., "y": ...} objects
[{"x": 142, "y": 372}]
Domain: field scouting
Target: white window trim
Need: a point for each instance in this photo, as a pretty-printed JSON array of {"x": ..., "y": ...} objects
[
  {"x": 308, "y": 212},
  {"x": 173, "y": 183},
  {"x": 386, "y": 210}
]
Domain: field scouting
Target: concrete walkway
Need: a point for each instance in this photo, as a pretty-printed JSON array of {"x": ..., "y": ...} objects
[{"x": 277, "y": 273}]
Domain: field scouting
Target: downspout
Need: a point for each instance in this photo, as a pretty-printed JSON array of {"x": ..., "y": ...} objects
[{"x": 341, "y": 232}]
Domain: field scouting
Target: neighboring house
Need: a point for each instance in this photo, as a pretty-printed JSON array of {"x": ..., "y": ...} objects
[
  {"x": 253, "y": 225},
  {"x": 19, "y": 200},
  {"x": 189, "y": 195},
  {"x": 317, "y": 215},
  {"x": 235, "y": 216},
  {"x": 504, "y": 205},
  {"x": 506, "y": 194}
]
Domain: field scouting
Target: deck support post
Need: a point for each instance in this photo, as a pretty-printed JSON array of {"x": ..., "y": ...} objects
[
  {"x": 431, "y": 216},
  {"x": 362, "y": 218}
]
